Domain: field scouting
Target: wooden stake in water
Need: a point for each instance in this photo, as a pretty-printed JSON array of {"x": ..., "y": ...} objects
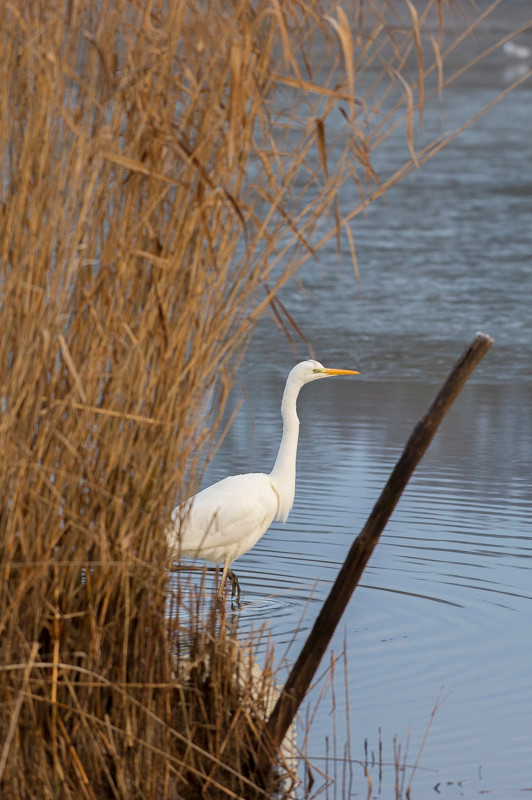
[{"x": 320, "y": 636}]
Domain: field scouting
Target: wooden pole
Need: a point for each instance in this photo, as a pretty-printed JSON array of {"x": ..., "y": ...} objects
[{"x": 320, "y": 636}]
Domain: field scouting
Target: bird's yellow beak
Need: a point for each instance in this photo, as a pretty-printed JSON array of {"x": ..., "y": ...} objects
[{"x": 341, "y": 371}]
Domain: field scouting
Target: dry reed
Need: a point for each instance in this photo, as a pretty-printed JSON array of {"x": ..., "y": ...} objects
[{"x": 163, "y": 165}]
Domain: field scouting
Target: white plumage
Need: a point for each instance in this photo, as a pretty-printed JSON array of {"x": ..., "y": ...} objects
[
  {"x": 225, "y": 520},
  {"x": 229, "y": 517}
]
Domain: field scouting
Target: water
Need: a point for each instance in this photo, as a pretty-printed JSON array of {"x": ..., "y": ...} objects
[
  {"x": 445, "y": 602},
  {"x": 445, "y": 606}
]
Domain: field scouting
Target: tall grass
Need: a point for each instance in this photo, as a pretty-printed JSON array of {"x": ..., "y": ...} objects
[{"x": 165, "y": 167}]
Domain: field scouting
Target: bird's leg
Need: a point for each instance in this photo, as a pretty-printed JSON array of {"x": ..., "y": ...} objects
[
  {"x": 224, "y": 577},
  {"x": 235, "y": 586}
]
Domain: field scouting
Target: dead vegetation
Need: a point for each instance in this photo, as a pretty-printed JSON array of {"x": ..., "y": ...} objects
[{"x": 165, "y": 167}]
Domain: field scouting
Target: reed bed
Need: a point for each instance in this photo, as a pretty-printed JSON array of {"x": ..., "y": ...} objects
[{"x": 165, "y": 168}]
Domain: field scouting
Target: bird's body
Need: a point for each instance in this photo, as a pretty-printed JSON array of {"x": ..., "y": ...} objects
[
  {"x": 228, "y": 518},
  {"x": 225, "y": 520}
]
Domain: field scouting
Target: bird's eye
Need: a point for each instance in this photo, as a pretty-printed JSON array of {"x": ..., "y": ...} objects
[{"x": 316, "y": 370}]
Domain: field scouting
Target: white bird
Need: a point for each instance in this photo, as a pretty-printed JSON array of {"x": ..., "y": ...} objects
[{"x": 225, "y": 520}]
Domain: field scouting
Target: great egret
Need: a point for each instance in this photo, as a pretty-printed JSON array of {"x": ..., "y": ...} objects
[{"x": 225, "y": 520}]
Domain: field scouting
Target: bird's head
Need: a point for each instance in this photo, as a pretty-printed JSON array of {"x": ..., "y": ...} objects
[{"x": 311, "y": 370}]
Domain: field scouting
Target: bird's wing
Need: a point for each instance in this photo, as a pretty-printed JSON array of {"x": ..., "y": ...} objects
[{"x": 235, "y": 511}]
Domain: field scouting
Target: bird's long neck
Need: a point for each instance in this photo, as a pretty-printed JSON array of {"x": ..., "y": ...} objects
[{"x": 283, "y": 474}]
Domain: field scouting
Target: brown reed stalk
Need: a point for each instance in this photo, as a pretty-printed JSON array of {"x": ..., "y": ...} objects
[{"x": 162, "y": 163}]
